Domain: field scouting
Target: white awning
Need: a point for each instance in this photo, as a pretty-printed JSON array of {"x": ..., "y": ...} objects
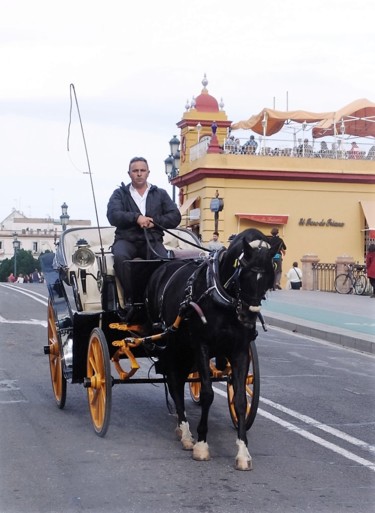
[
  {"x": 368, "y": 208},
  {"x": 187, "y": 204}
]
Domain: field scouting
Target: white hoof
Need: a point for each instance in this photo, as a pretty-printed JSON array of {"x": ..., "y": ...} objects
[
  {"x": 201, "y": 451},
  {"x": 184, "y": 434},
  {"x": 243, "y": 458}
]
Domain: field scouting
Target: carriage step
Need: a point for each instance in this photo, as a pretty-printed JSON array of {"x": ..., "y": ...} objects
[{"x": 46, "y": 350}]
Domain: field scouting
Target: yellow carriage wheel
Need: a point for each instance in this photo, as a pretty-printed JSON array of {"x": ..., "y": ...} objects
[
  {"x": 55, "y": 364},
  {"x": 252, "y": 391},
  {"x": 99, "y": 381}
]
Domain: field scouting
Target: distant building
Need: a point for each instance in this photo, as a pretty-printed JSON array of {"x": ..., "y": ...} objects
[{"x": 35, "y": 234}]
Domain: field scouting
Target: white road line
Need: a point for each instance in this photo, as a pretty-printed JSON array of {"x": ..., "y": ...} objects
[
  {"x": 320, "y": 441},
  {"x": 32, "y": 295},
  {"x": 316, "y": 424},
  {"x": 310, "y": 436}
]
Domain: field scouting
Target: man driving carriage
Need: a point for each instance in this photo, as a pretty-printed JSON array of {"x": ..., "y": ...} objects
[{"x": 133, "y": 209}]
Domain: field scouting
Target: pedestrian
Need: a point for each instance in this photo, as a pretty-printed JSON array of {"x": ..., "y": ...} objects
[
  {"x": 134, "y": 209},
  {"x": 370, "y": 267},
  {"x": 215, "y": 244},
  {"x": 294, "y": 276},
  {"x": 20, "y": 278},
  {"x": 278, "y": 245},
  {"x": 11, "y": 278},
  {"x": 36, "y": 276}
]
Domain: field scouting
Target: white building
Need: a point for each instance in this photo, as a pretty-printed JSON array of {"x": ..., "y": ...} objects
[{"x": 34, "y": 234}]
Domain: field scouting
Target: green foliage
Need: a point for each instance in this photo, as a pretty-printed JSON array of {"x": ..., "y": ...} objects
[{"x": 26, "y": 264}]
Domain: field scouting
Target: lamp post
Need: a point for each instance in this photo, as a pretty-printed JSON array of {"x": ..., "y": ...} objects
[
  {"x": 16, "y": 247},
  {"x": 172, "y": 163},
  {"x": 64, "y": 218}
]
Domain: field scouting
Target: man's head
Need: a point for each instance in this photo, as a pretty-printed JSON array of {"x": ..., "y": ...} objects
[
  {"x": 274, "y": 231},
  {"x": 215, "y": 236},
  {"x": 138, "y": 172}
]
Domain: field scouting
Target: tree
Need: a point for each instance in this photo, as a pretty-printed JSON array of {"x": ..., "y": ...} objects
[{"x": 26, "y": 264}]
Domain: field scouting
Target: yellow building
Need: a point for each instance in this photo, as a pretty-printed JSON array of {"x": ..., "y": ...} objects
[{"x": 322, "y": 206}]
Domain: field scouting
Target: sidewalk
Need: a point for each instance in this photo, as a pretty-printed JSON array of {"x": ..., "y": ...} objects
[{"x": 348, "y": 320}]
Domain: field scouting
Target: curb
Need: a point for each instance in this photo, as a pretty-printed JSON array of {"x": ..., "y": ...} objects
[{"x": 346, "y": 338}]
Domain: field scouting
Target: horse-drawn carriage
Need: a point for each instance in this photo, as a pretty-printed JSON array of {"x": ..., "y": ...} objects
[{"x": 194, "y": 321}]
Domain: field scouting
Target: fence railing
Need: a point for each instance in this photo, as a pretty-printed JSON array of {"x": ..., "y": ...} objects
[{"x": 324, "y": 276}]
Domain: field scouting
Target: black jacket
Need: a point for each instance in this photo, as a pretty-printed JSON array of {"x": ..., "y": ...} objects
[{"x": 123, "y": 213}]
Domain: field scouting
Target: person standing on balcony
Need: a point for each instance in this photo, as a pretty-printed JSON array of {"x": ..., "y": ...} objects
[
  {"x": 250, "y": 146},
  {"x": 370, "y": 267}
]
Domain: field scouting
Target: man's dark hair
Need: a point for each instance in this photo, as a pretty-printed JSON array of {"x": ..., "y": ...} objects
[
  {"x": 216, "y": 233},
  {"x": 136, "y": 159}
]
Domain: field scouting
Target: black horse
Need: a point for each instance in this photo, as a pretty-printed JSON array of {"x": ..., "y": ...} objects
[{"x": 216, "y": 302}]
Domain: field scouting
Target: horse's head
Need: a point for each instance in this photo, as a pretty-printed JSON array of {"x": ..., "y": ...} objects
[{"x": 251, "y": 256}]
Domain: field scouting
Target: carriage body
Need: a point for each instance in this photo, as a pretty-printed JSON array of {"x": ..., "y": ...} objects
[{"x": 84, "y": 292}]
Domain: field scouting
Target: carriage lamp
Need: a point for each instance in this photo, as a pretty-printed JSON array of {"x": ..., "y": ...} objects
[
  {"x": 16, "y": 247},
  {"x": 83, "y": 257},
  {"x": 64, "y": 218}
]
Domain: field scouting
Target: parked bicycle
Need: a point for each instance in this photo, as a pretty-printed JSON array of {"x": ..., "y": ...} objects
[{"x": 354, "y": 279}]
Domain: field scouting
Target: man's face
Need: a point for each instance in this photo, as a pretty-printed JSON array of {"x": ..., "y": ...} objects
[
  {"x": 138, "y": 173},
  {"x": 215, "y": 237}
]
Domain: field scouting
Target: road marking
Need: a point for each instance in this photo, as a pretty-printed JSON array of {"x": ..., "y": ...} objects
[
  {"x": 31, "y": 321},
  {"x": 27, "y": 293},
  {"x": 310, "y": 436},
  {"x": 314, "y": 423}
]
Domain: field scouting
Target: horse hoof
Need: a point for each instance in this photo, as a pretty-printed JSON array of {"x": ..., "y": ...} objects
[
  {"x": 244, "y": 465},
  {"x": 201, "y": 451},
  {"x": 243, "y": 458},
  {"x": 184, "y": 435}
]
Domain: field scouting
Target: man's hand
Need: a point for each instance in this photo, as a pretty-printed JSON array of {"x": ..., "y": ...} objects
[{"x": 145, "y": 222}]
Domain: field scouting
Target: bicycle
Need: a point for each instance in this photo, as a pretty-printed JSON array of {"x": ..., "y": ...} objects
[{"x": 354, "y": 279}]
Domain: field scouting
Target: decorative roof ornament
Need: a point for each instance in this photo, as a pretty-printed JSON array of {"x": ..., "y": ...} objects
[
  {"x": 187, "y": 105},
  {"x": 204, "y": 81},
  {"x": 221, "y": 104},
  {"x": 193, "y": 103}
]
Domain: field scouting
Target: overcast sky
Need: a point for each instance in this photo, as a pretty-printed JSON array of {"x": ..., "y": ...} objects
[{"x": 135, "y": 64}]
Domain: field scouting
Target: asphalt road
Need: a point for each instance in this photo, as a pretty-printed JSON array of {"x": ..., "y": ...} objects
[{"x": 312, "y": 443}]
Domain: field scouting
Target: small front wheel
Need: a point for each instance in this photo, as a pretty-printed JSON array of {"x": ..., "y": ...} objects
[
  {"x": 360, "y": 285},
  {"x": 343, "y": 284},
  {"x": 55, "y": 359},
  {"x": 99, "y": 381}
]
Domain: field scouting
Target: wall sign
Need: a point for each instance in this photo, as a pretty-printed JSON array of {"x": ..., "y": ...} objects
[{"x": 311, "y": 222}]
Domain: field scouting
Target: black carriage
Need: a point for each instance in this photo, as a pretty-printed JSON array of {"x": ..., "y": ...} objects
[{"x": 87, "y": 341}]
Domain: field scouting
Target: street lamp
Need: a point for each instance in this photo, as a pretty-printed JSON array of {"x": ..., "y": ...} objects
[
  {"x": 172, "y": 163},
  {"x": 16, "y": 247},
  {"x": 64, "y": 218}
]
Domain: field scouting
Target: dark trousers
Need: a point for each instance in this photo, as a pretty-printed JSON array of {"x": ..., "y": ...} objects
[{"x": 131, "y": 274}]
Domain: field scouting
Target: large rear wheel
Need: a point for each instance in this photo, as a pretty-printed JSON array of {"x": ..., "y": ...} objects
[
  {"x": 252, "y": 390},
  {"x": 344, "y": 284},
  {"x": 99, "y": 381},
  {"x": 55, "y": 363}
]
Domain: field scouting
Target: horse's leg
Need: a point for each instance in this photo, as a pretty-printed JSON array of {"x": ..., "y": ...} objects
[
  {"x": 201, "y": 450},
  {"x": 176, "y": 377},
  {"x": 240, "y": 367}
]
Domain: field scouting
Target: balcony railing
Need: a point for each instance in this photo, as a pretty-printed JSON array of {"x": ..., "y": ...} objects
[{"x": 283, "y": 148}]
